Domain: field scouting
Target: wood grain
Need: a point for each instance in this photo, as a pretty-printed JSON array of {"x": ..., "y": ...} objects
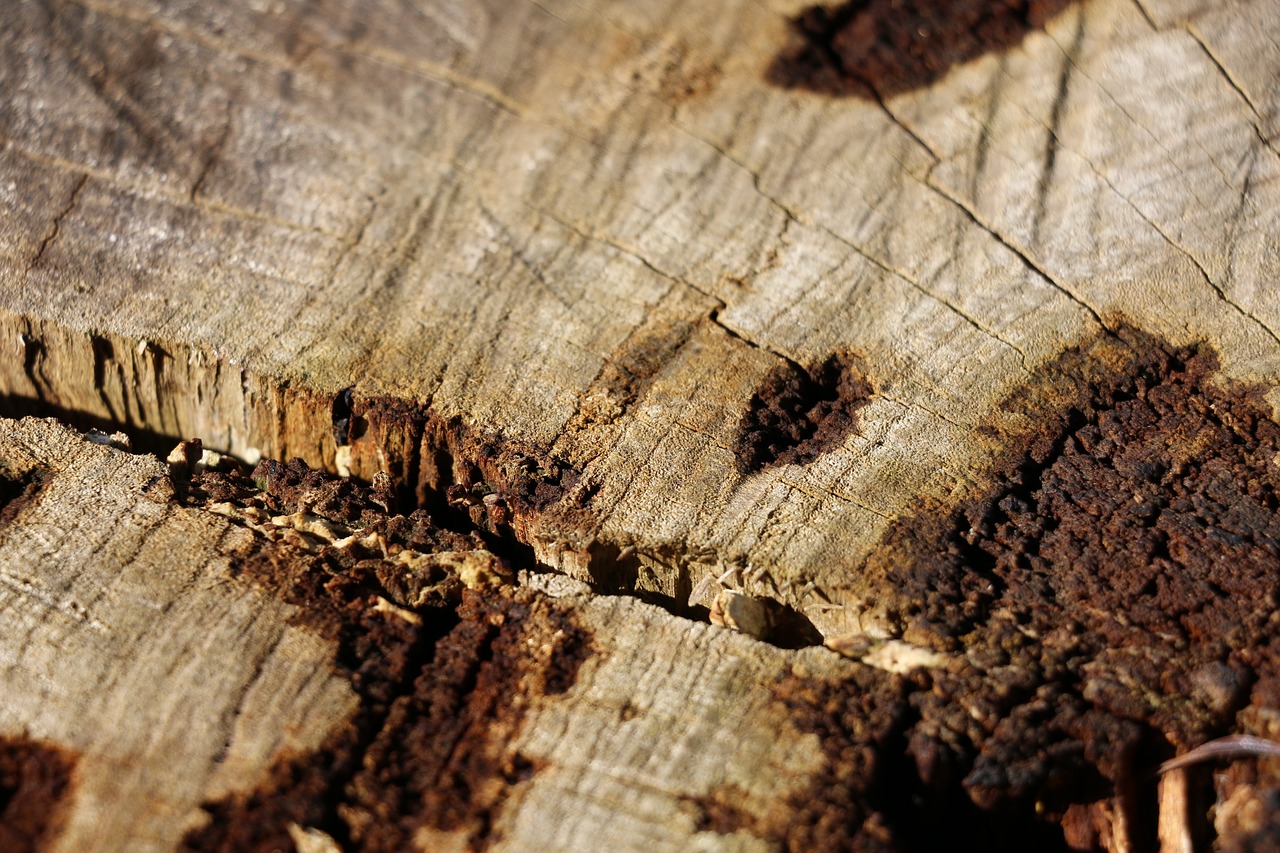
[
  {"x": 589, "y": 231},
  {"x": 125, "y": 642},
  {"x": 129, "y": 640},
  {"x": 484, "y": 208}
]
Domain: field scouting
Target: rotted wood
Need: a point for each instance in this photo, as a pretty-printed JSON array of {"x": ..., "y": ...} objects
[
  {"x": 963, "y": 369},
  {"x": 175, "y": 647}
]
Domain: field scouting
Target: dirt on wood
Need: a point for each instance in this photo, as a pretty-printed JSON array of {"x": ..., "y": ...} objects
[{"x": 880, "y": 48}]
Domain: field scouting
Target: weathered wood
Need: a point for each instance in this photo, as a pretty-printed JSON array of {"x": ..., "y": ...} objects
[
  {"x": 591, "y": 237},
  {"x": 126, "y": 643},
  {"x": 490, "y": 209},
  {"x": 131, "y": 643}
]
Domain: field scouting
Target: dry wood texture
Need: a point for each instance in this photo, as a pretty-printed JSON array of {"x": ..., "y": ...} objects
[
  {"x": 597, "y": 230},
  {"x": 131, "y": 645},
  {"x": 995, "y": 355},
  {"x": 113, "y": 596}
]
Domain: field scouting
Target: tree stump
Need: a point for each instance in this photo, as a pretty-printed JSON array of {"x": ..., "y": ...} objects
[{"x": 718, "y": 426}]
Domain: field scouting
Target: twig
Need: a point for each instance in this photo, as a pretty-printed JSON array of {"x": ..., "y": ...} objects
[{"x": 1232, "y": 746}]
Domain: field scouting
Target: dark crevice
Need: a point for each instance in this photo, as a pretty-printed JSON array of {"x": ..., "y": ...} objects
[
  {"x": 18, "y": 490},
  {"x": 32, "y": 350},
  {"x": 519, "y": 498},
  {"x": 341, "y": 416},
  {"x": 468, "y": 481},
  {"x": 55, "y": 227},
  {"x": 103, "y": 354},
  {"x": 141, "y": 439}
]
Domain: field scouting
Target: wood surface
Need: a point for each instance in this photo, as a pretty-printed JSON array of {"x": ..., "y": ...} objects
[
  {"x": 128, "y": 642},
  {"x": 485, "y": 208},
  {"x": 589, "y": 231}
]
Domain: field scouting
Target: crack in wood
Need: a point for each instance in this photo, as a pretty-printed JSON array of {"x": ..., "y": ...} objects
[
  {"x": 55, "y": 228},
  {"x": 1021, "y": 254},
  {"x": 531, "y": 501}
]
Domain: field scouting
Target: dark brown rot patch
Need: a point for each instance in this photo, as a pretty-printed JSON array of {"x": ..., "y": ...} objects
[
  {"x": 1140, "y": 530},
  {"x": 341, "y": 416},
  {"x": 35, "y": 785},
  {"x": 800, "y": 413},
  {"x": 18, "y": 490},
  {"x": 292, "y": 486},
  {"x": 431, "y": 748},
  {"x": 869, "y": 795},
  {"x": 1117, "y": 588},
  {"x": 444, "y": 667},
  {"x": 1109, "y": 600},
  {"x": 880, "y": 48},
  {"x": 858, "y": 723}
]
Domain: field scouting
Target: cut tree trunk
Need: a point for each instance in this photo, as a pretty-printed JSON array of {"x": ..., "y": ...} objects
[{"x": 661, "y": 315}]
